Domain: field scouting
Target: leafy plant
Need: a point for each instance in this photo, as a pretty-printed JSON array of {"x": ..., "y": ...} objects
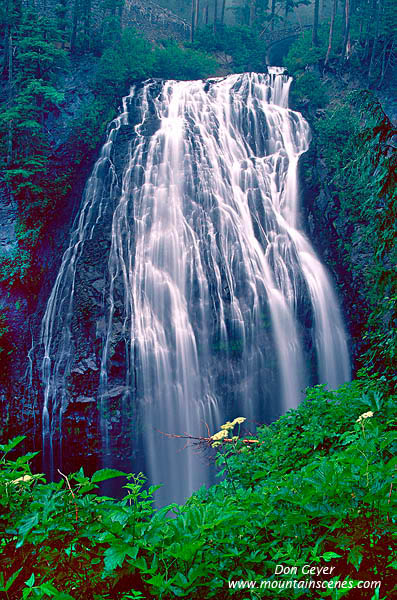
[
  {"x": 174, "y": 62},
  {"x": 241, "y": 43},
  {"x": 354, "y": 140},
  {"x": 316, "y": 489},
  {"x": 132, "y": 58},
  {"x": 308, "y": 91}
]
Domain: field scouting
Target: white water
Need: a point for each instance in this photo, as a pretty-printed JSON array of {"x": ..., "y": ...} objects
[{"x": 213, "y": 270}]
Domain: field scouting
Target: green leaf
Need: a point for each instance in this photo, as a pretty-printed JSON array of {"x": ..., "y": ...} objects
[
  {"x": 26, "y": 527},
  {"x": 181, "y": 580},
  {"x": 391, "y": 464},
  {"x": 30, "y": 582},
  {"x": 355, "y": 557},
  {"x": 141, "y": 564},
  {"x": 157, "y": 580},
  {"x": 115, "y": 555},
  {"x": 104, "y": 474},
  {"x": 327, "y": 556},
  {"x": 10, "y": 581},
  {"x": 12, "y": 444},
  {"x": 49, "y": 589}
]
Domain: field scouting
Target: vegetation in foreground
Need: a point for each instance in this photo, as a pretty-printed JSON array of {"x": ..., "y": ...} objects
[{"x": 317, "y": 490}]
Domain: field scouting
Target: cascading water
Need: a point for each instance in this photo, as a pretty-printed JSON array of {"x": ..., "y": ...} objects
[{"x": 188, "y": 294}]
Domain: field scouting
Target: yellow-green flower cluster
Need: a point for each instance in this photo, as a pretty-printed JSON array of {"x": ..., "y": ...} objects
[
  {"x": 365, "y": 415},
  {"x": 224, "y": 432},
  {"x": 231, "y": 424},
  {"x": 220, "y": 435}
]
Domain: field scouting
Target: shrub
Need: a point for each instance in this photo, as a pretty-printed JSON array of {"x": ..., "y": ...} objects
[
  {"x": 243, "y": 44},
  {"x": 314, "y": 490},
  {"x": 119, "y": 65},
  {"x": 175, "y": 62},
  {"x": 308, "y": 91}
]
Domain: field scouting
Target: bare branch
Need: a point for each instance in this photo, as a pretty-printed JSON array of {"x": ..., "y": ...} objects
[
  {"x": 71, "y": 491},
  {"x": 207, "y": 440}
]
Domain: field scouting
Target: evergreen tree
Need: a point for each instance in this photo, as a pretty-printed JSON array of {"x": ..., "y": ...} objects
[{"x": 34, "y": 93}]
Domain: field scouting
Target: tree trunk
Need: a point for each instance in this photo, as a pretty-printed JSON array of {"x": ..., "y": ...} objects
[
  {"x": 87, "y": 21},
  {"x": 223, "y": 12},
  {"x": 197, "y": 13},
  {"x": 73, "y": 38},
  {"x": 387, "y": 64},
  {"x": 370, "y": 20},
  {"x": 206, "y": 15},
  {"x": 252, "y": 13},
  {"x": 273, "y": 13},
  {"x": 367, "y": 37},
  {"x": 372, "y": 61},
  {"x": 7, "y": 30},
  {"x": 343, "y": 21},
  {"x": 215, "y": 14},
  {"x": 193, "y": 21},
  {"x": 383, "y": 70},
  {"x": 315, "y": 23},
  {"x": 375, "y": 43},
  {"x": 331, "y": 32},
  {"x": 363, "y": 18},
  {"x": 346, "y": 37},
  {"x": 9, "y": 126}
]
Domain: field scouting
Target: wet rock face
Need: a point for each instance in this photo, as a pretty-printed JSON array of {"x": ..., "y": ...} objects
[
  {"x": 8, "y": 217},
  {"x": 24, "y": 304},
  {"x": 329, "y": 231}
]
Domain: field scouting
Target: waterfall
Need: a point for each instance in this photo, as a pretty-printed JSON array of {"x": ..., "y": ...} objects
[{"x": 189, "y": 294}]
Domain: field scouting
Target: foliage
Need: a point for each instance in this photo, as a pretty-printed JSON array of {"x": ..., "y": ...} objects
[
  {"x": 35, "y": 176},
  {"x": 130, "y": 59},
  {"x": 303, "y": 53},
  {"x": 14, "y": 265},
  {"x": 316, "y": 488},
  {"x": 380, "y": 340},
  {"x": 336, "y": 131},
  {"x": 174, "y": 62},
  {"x": 365, "y": 47},
  {"x": 242, "y": 43},
  {"x": 25, "y": 149},
  {"x": 88, "y": 128},
  {"x": 355, "y": 140},
  {"x": 3, "y": 329},
  {"x": 308, "y": 91}
]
